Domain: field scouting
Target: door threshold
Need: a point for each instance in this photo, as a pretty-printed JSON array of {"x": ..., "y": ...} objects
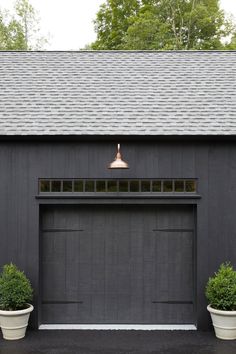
[{"x": 186, "y": 327}]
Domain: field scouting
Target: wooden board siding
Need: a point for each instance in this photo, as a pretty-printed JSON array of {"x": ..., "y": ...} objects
[
  {"x": 212, "y": 162},
  {"x": 118, "y": 264}
]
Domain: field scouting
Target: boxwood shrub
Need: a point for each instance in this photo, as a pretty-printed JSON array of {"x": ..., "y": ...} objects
[
  {"x": 15, "y": 289},
  {"x": 221, "y": 289}
]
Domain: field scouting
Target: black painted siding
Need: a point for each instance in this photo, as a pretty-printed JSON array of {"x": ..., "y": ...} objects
[{"x": 213, "y": 163}]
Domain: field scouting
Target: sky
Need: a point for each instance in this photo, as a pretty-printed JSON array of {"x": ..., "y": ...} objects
[{"x": 69, "y": 23}]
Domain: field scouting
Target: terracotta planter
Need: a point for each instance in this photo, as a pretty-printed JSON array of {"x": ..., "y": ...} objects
[
  {"x": 14, "y": 323},
  {"x": 224, "y": 323}
]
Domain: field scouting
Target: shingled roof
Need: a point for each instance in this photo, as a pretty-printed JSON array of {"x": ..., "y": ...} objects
[{"x": 118, "y": 92}]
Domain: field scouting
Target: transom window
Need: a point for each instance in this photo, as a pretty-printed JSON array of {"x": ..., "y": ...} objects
[{"x": 117, "y": 186}]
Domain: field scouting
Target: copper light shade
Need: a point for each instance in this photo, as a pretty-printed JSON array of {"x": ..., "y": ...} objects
[{"x": 118, "y": 162}]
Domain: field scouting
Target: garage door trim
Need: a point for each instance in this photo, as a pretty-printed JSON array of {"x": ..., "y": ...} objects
[{"x": 141, "y": 326}]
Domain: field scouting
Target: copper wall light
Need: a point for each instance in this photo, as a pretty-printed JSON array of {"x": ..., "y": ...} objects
[{"x": 118, "y": 162}]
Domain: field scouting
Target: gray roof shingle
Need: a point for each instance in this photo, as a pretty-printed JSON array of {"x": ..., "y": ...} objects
[{"x": 118, "y": 93}]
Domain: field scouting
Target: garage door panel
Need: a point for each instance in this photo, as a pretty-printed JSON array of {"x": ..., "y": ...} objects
[
  {"x": 53, "y": 281},
  {"x": 179, "y": 287},
  {"x": 117, "y": 279},
  {"x": 62, "y": 313},
  {"x": 84, "y": 254},
  {"x": 111, "y": 308},
  {"x": 97, "y": 279},
  {"x": 149, "y": 279},
  {"x": 149, "y": 245},
  {"x": 125, "y": 308},
  {"x": 176, "y": 218},
  {"x": 73, "y": 246},
  {"x": 83, "y": 277},
  {"x": 54, "y": 245},
  {"x": 60, "y": 218},
  {"x": 173, "y": 313},
  {"x": 179, "y": 244},
  {"x": 98, "y": 248},
  {"x": 124, "y": 277},
  {"x": 117, "y": 246},
  {"x": 172, "y": 256},
  {"x": 117, "y": 264},
  {"x": 137, "y": 309},
  {"x": 137, "y": 245},
  {"x": 123, "y": 249},
  {"x": 137, "y": 278},
  {"x": 117, "y": 309},
  {"x": 97, "y": 308},
  {"x": 75, "y": 280},
  {"x": 175, "y": 287},
  {"x": 87, "y": 311}
]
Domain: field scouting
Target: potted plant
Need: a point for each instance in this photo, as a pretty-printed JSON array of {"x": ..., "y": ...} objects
[
  {"x": 15, "y": 294},
  {"x": 221, "y": 294}
]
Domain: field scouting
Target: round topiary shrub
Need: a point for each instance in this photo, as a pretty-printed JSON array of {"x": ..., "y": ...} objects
[
  {"x": 15, "y": 289},
  {"x": 221, "y": 289}
]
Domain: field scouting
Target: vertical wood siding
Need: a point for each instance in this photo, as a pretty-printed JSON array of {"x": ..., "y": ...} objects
[{"x": 213, "y": 163}]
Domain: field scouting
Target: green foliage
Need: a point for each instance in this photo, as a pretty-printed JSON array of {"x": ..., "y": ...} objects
[
  {"x": 15, "y": 289},
  {"x": 11, "y": 34},
  {"x": 162, "y": 25},
  {"x": 221, "y": 289},
  {"x": 19, "y": 31},
  {"x": 232, "y": 44},
  {"x": 113, "y": 20}
]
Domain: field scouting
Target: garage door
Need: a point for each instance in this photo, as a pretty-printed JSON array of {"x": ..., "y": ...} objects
[{"x": 117, "y": 264}]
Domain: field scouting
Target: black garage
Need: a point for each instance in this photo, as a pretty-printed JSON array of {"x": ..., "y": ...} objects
[{"x": 118, "y": 247}]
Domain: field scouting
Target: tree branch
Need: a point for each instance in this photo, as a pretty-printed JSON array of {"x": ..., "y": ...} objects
[{"x": 189, "y": 24}]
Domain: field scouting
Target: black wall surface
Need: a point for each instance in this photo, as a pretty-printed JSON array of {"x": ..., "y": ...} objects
[{"x": 213, "y": 163}]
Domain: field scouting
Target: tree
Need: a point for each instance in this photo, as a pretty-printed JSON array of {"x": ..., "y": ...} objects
[
  {"x": 11, "y": 34},
  {"x": 163, "y": 25},
  {"x": 113, "y": 20},
  {"x": 20, "y": 31},
  {"x": 232, "y": 44}
]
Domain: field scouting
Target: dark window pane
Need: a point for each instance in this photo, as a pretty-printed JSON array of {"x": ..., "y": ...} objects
[
  {"x": 134, "y": 186},
  {"x": 145, "y": 186},
  {"x": 100, "y": 186},
  {"x": 123, "y": 186},
  {"x": 78, "y": 186},
  {"x": 179, "y": 186},
  {"x": 190, "y": 186},
  {"x": 56, "y": 186},
  {"x": 156, "y": 186},
  {"x": 89, "y": 186},
  {"x": 167, "y": 186},
  {"x": 112, "y": 186},
  {"x": 44, "y": 186},
  {"x": 67, "y": 186}
]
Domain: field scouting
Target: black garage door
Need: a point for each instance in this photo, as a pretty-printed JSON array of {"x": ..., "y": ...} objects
[{"x": 117, "y": 264}]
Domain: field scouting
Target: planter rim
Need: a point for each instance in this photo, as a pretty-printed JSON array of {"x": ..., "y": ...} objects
[
  {"x": 221, "y": 312},
  {"x": 17, "y": 312}
]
